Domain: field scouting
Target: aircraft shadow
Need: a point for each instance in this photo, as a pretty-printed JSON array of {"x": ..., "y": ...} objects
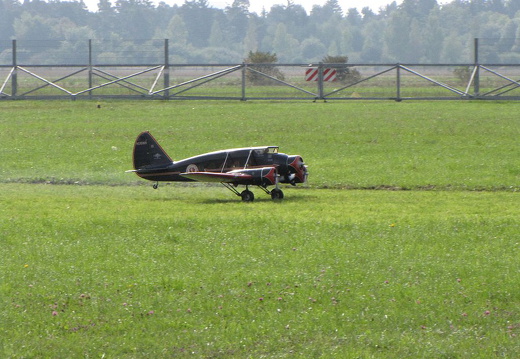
[{"x": 258, "y": 199}]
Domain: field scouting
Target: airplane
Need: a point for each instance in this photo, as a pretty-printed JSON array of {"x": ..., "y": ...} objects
[{"x": 251, "y": 166}]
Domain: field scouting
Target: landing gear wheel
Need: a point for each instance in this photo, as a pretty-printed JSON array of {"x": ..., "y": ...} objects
[
  {"x": 155, "y": 185},
  {"x": 247, "y": 196},
  {"x": 276, "y": 194}
]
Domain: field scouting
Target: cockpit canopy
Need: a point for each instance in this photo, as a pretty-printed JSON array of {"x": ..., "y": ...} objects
[{"x": 268, "y": 150}]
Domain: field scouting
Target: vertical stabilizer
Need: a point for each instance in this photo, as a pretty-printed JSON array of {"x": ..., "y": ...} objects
[{"x": 148, "y": 153}]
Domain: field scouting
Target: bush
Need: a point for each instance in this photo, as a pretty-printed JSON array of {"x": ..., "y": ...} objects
[
  {"x": 343, "y": 73},
  {"x": 463, "y": 73},
  {"x": 259, "y": 57}
]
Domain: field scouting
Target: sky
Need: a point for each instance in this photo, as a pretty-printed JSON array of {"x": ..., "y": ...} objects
[{"x": 258, "y": 5}]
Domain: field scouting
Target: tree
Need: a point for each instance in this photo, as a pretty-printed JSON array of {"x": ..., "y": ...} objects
[
  {"x": 453, "y": 50},
  {"x": 334, "y": 6},
  {"x": 74, "y": 11},
  {"x": 373, "y": 45},
  {"x": 397, "y": 37},
  {"x": 198, "y": 19},
  {"x": 312, "y": 49},
  {"x": 415, "y": 30},
  {"x": 9, "y": 11},
  {"x": 240, "y": 5},
  {"x": 353, "y": 17},
  {"x": 387, "y": 10},
  {"x": 104, "y": 21},
  {"x": 176, "y": 31},
  {"x": 321, "y": 14},
  {"x": 418, "y": 8},
  {"x": 293, "y": 17},
  {"x": 284, "y": 43},
  {"x": 216, "y": 37},
  {"x": 516, "y": 46},
  {"x": 507, "y": 37},
  {"x": 251, "y": 38},
  {"x": 368, "y": 14},
  {"x": 105, "y": 6},
  {"x": 416, "y": 42},
  {"x": 74, "y": 49},
  {"x": 33, "y": 27},
  {"x": 237, "y": 16},
  {"x": 346, "y": 44},
  {"x": 213, "y": 55},
  {"x": 512, "y": 7},
  {"x": 135, "y": 19}
]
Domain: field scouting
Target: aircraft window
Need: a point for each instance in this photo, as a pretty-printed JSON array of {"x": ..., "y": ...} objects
[{"x": 272, "y": 150}]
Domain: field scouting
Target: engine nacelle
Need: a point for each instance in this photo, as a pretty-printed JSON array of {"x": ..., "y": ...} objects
[{"x": 265, "y": 176}]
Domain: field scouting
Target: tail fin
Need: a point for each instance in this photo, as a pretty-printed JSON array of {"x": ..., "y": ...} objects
[{"x": 148, "y": 153}]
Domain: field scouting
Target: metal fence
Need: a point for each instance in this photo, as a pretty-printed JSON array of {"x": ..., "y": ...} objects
[{"x": 169, "y": 81}]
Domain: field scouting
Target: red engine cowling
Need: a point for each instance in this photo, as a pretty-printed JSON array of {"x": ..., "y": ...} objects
[{"x": 297, "y": 170}]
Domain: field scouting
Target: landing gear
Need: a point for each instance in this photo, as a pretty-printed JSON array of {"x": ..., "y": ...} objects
[
  {"x": 247, "y": 196},
  {"x": 155, "y": 185},
  {"x": 276, "y": 194}
]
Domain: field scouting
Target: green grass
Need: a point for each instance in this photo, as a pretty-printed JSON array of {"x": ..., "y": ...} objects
[
  {"x": 355, "y": 145},
  {"x": 109, "y": 268},
  {"x": 128, "y": 272}
]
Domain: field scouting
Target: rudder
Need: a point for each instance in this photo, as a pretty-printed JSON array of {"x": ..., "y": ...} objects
[{"x": 148, "y": 153}]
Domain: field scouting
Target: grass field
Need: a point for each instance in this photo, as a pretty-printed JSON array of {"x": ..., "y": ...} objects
[{"x": 97, "y": 264}]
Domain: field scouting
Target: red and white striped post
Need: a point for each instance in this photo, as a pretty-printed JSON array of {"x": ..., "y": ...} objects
[{"x": 320, "y": 74}]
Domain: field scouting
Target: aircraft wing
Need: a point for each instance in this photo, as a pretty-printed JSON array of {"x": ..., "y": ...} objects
[{"x": 226, "y": 177}]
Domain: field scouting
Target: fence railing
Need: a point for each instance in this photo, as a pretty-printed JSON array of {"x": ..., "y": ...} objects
[
  {"x": 245, "y": 81},
  {"x": 262, "y": 82}
]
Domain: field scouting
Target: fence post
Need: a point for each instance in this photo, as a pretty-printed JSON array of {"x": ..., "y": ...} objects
[
  {"x": 244, "y": 68},
  {"x": 14, "y": 78},
  {"x": 166, "y": 68},
  {"x": 90, "y": 82},
  {"x": 320, "y": 80},
  {"x": 398, "y": 83},
  {"x": 476, "y": 82}
]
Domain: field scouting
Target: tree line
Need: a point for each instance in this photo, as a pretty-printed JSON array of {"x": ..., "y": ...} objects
[{"x": 416, "y": 31}]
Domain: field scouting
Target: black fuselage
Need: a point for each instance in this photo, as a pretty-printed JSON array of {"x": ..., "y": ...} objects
[
  {"x": 252, "y": 166},
  {"x": 221, "y": 161}
]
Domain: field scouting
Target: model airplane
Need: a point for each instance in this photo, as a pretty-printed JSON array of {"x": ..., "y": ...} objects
[{"x": 251, "y": 166}]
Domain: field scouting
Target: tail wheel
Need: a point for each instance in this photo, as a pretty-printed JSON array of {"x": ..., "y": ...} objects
[
  {"x": 276, "y": 194},
  {"x": 247, "y": 196}
]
